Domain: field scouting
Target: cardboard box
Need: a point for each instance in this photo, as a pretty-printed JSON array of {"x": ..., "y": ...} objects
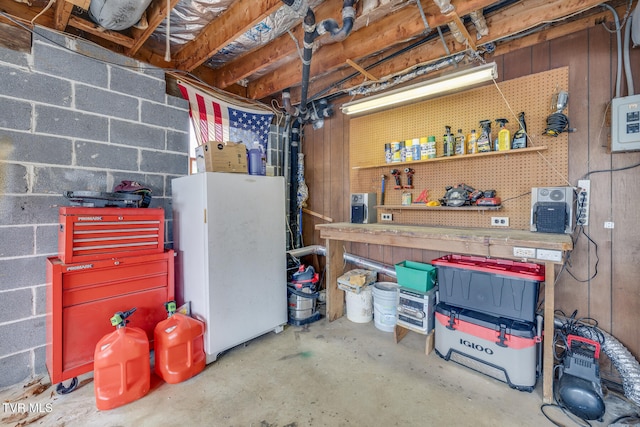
[{"x": 215, "y": 156}]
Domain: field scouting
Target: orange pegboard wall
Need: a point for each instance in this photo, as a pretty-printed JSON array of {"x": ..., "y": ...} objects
[{"x": 511, "y": 174}]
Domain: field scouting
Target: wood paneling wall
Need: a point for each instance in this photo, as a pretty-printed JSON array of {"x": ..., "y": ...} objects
[{"x": 612, "y": 296}]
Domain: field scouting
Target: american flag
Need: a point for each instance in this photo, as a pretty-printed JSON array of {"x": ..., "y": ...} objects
[{"x": 218, "y": 120}]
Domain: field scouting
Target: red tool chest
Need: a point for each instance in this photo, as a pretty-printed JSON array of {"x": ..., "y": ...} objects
[
  {"x": 82, "y": 297},
  {"x": 86, "y": 234}
]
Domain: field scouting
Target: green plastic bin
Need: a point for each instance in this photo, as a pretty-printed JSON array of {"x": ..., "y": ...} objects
[{"x": 416, "y": 275}]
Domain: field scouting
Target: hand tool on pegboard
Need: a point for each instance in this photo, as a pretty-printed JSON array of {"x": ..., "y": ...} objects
[
  {"x": 396, "y": 176},
  {"x": 384, "y": 177},
  {"x": 409, "y": 173}
]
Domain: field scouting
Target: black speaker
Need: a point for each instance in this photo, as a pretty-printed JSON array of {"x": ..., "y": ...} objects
[
  {"x": 550, "y": 217},
  {"x": 552, "y": 209}
]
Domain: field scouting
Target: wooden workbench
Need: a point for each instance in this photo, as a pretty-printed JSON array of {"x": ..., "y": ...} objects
[{"x": 470, "y": 241}]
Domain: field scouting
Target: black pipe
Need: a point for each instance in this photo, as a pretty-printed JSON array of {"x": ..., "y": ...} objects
[
  {"x": 293, "y": 179},
  {"x": 312, "y": 32}
]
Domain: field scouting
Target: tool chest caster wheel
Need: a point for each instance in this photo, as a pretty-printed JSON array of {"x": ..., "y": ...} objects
[{"x": 61, "y": 389}]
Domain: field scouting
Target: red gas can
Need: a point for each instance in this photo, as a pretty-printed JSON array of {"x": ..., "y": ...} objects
[
  {"x": 179, "y": 346},
  {"x": 121, "y": 365}
]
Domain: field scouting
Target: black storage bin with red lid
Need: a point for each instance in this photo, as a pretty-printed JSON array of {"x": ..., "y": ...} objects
[{"x": 499, "y": 287}]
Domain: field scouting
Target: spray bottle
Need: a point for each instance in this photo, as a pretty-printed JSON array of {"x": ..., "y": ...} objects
[
  {"x": 472, "y": 142},
  {"x": 460, "y": 146},
  {"x": 504, "y": 135},
  {"x": 520, "y": 137},
  {"x": 484, "y": 141},
  {"x": 447, "y": 144}
]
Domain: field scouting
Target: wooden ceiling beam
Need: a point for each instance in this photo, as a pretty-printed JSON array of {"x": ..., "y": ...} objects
[
  {"x": 14, "y": 37},
  {"x": 394, "y": 29},
  {"x": 24, "y": 13},
  {"x": 62, "y": 13},
  {"x": 512, "y": 20},
  {"x": 156, "y": 13},
  {"x": 97, "y": 30},
  {"x": 232, "y": 23},
  {"x": 282, "y": 47}
]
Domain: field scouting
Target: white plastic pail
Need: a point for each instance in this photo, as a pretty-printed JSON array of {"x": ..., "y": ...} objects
[
  {"x": 385, "y": 300},
  {"x": 360, "y": 306}
]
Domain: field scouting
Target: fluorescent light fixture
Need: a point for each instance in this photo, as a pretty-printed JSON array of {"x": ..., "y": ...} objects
[{"x": 423, "y": 90}]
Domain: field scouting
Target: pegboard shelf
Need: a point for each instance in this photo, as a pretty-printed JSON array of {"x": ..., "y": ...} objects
[
  {"x": 422, "y": 207},
  {"x": 465, "y": 157}
]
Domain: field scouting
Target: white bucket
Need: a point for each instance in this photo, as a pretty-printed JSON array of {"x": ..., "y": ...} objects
[
  {"x": 385, "y": 301},
  {"x": 360, "y": 306}
]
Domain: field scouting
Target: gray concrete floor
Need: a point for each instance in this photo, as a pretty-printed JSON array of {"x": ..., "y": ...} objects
[{"x": 327, "y": 374}]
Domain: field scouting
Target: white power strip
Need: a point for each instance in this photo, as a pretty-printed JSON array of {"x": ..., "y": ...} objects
[{"x": 582, "y": 203}]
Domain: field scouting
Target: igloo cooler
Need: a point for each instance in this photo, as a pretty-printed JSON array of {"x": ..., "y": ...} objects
[{"x": 501, "y": 348}]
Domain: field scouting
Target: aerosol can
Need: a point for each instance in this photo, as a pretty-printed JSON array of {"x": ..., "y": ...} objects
[
  {"x": 484, "y": 141},
  {"x": 303, "y": 295},
  {"x": 520, "y": 137}
]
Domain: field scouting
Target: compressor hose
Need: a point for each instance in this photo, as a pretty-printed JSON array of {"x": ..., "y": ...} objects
[{"x": 625, "y": 363}]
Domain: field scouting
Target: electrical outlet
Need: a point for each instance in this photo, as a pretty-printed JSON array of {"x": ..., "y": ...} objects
[
  {"x": 500, "y": 221},
  {"x": 524, "y": 252},
  {"x": 386, "y": 217},
  {"x": 582, "y": 204},
  {"x": 549, "y": 255},
  {"x": 608, "y": 224}
]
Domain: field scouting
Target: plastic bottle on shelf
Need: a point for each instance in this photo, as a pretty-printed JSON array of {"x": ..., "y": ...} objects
[
  {"x": 472, "y": 142},
  {"x": 403, "y": 152},
  {"x": 520, "y": 136},
  {"x": 447, "y": 143},
  {"x": 504, "y": 135},
  {"x": 460, "y": 146},
  {"x": 484, "y": 140},
  {"x": 387, "y": 152}
]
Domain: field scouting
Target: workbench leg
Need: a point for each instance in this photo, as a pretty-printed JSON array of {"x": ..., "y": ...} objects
[
  {"x": 335, "y": 263},
  {"x": 547, "y": 343}
]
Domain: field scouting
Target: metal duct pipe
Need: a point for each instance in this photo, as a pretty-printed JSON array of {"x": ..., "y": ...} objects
[
  {"x": 380, "y": 267},
  {"x": 387, "y": 269},
  {"x": 627, "y": 365}
]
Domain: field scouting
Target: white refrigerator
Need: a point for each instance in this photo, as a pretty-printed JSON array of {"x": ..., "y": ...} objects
[{"x": 229, "y": 237}]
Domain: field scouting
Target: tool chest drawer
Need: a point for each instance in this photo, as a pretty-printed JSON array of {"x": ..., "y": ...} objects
[
  {"x": 86, "y": 234},
  {"x": 82, "y": 297}
]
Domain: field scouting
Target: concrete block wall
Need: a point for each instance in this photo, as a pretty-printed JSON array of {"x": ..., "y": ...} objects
[{"x": 69, "y": 121}]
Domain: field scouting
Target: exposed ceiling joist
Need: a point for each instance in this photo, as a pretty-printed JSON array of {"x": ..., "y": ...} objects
[
  {"x": 235, "y": 21},
  {"x": 156, "y": 13},
  {"x": 264, "y": 69}
]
